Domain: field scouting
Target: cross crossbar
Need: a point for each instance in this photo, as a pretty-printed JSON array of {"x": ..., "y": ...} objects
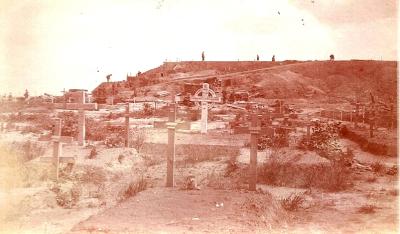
[
  {"x": 262, "y": 130},
  {"x": 62, "y": 139},
  {"x": 205, "y": 99},
  {"x": 81, "y": 106},
  {"x": 60, "y": 159}
]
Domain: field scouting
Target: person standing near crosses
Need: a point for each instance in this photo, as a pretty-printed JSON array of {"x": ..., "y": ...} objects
[
  {"x": 258, "y": 58},
  {"x": 273, "y": 58},
  {"x": 202, "y": 56}
]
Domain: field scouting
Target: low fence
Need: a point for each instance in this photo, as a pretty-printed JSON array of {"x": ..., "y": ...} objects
[{"x": 385, "y": 121}]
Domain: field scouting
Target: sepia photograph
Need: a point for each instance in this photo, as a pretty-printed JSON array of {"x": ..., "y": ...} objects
[{"x": 199, "y": 116}]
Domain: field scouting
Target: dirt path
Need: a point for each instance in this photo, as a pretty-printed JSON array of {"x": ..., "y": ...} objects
[{"x": 179, "y": 211}]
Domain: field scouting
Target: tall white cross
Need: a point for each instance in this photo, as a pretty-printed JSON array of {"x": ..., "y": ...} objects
[
  {"x": 81, "y": 106},
  {"x": 204, "y": 99}
]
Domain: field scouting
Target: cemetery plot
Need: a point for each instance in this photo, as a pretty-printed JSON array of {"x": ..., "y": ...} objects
[{"x": 276, "y": 168}]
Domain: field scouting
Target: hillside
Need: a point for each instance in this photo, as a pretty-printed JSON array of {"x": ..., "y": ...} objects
[{"x": 290, "y": 79}]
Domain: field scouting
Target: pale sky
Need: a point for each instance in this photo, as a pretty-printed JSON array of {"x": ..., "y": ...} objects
[{"x": 48, "y": 45}]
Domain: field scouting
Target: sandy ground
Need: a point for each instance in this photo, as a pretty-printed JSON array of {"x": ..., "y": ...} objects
[{"x": 172, "y": 210}]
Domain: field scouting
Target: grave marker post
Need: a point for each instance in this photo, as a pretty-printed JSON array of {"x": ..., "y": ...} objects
[
  {"x": 58, "y": 140},
  {"x": 127, "y": 128},
  {"x": 171, "y": 125},
  {"x": 254, "y": 132}
]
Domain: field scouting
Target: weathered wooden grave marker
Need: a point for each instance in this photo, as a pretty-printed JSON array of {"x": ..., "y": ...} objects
[
  {"x": 254, "y": 129},
  {"x": 127, "y": 127},
  {"x": 171, "y": 125},
  {"x": 58, "y": 140},
  {"x": 81, "y": 106},
  {"x": 204, "y": 99}
]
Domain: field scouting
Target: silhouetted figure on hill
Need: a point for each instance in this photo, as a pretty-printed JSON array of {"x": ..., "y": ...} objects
[
  {"x": 26, "y": 94},
  {"x": 258, "y": 58},
  {"x": 108, "y": 77},
  {"x": 332, "y": 57},
  {"x": 202, "y": 56},
  {"x": 273, "y": 58}
]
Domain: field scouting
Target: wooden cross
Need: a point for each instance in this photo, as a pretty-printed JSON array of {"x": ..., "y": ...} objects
[
  {"x": 171, "y": 125},
  {"x": 254, "y": 129},
  {"x": 81, "y": 106},
  {"x": 204, "y": 99},
  {"x": 58, "y": 140}
]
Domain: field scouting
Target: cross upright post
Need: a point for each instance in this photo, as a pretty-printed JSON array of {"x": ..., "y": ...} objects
[
  {"x": 127, "y": 128},
  {"x": 204, "y": 108},
  {"x": 171, "y": 125},
  {"x": 254, "y": 132}
]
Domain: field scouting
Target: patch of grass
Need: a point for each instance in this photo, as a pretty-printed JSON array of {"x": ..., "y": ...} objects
[
  {"x": 293, "y": 202},
  {"x": 193, "y": 154},
  {"x": 258, "y": 204},
  {"x": 332, "y": 177},
  {"x": 133, "y": 188},
  {"x": 137, "y": 139},
  {"x": 392, "y": 170},
  {"x": 231, "y": 166},
  {"x": 151, "y": 160},
  {"x": 377, "y": 167},
  {"x": 190, "y": 183},
  {"x": 367, "y": 209},
  {"x": 94, "y": 175},
  {"x": 67, "y": 198}
]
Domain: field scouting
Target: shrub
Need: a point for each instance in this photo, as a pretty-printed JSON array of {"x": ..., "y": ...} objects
[
  {"x": 293, "y": 202},
  {"x": 95, "y": 131},
  {"x": 151, "y": 160},
  {"x": 147, "y": 110},
  {"x": 137, "y": 139},
  {"x": 332, "y": 177},
  {"x": 68, "y": 198},
  {"x": 367, "y": 209},
  {"x": 199, "y": 153},
  {"x": 257, "y": 205},
  {"x": 92, "y": 174},
  {"x": 114, "y": 141},
  {"x": 133, "y": 188},
  {"x": 323, "y": 140},
  {"x": 377, "y": 167},
  {"x": 190, "y": 183},
  {"x": 280, "y": 139},
  {"x": 231, "y": 166},
  {"x": 69, "y": 122},
  {"x": 369, "y": 145},
  {"x": 392, "y": 170}
]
